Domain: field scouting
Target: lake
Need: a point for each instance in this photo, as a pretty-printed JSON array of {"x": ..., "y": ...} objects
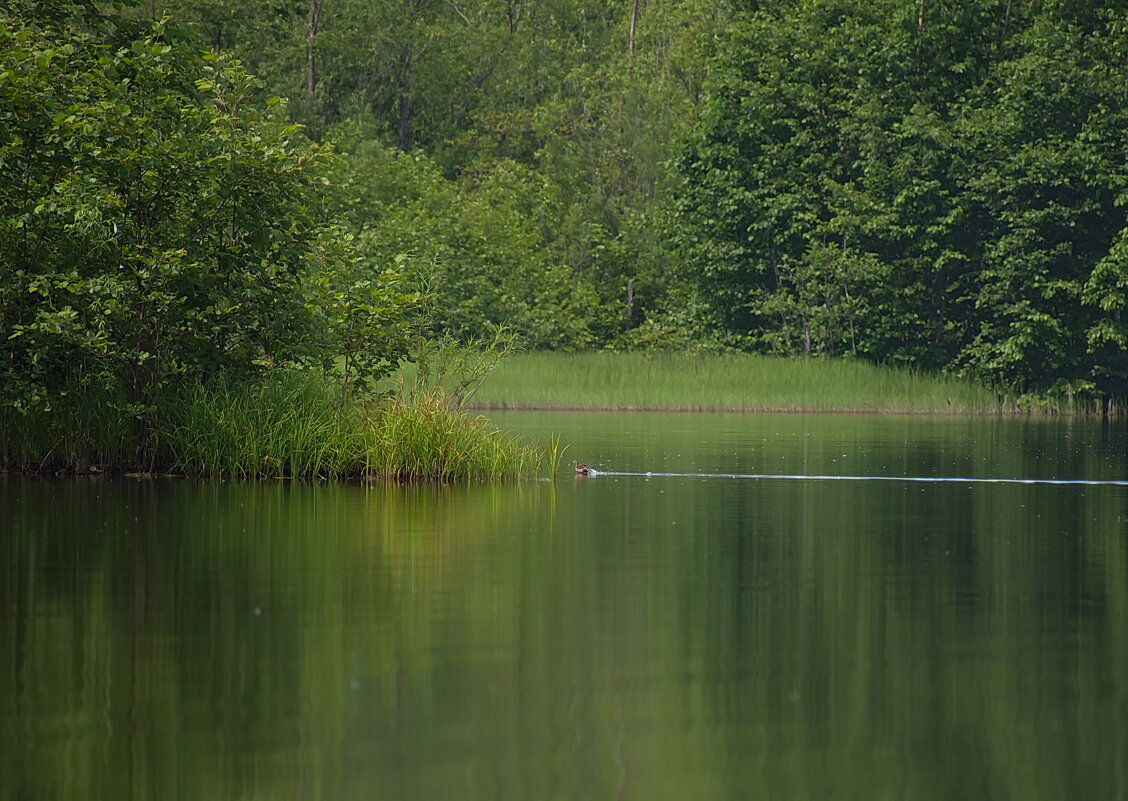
[{"x": 708, "y": 631}]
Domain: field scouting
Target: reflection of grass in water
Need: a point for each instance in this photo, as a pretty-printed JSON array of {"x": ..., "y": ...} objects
[{"x": 722, "y": 382}]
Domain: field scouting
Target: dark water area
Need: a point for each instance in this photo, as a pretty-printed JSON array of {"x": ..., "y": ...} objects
[{"x": 610, "y": 636}]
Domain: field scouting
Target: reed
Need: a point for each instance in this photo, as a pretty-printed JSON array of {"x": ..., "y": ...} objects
[
  {"x": 428, "y": 439},
  {"x": 554, "y": 454},
  {"x": 287, "y": 425},
  {"x": 729, "y": 382},
  {"x": 296, "y": 426},
  {"x": 292, "y": 424}
]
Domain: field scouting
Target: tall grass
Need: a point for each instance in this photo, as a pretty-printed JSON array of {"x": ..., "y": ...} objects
[
  {"x": 288, "y": 425},
  {"x": 294, "y": 425},
  {"x": 723, "y": 382},
  {"x": 428, "y": 439}
]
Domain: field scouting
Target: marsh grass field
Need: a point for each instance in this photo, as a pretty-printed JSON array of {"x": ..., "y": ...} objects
[{"x": 733, "y": 382}]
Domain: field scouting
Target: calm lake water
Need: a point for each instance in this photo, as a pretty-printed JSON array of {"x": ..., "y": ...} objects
[{"x": 607, "y": 637}]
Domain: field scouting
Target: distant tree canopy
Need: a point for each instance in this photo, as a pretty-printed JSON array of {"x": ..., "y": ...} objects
[
  {"x": 942, "y": 185},
  {"x": 537, "y": 131}
]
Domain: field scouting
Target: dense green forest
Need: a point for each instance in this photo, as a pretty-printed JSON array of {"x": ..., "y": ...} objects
[
  {"x": 941, "y": 184},
  {"x": 936, "y": 184}
]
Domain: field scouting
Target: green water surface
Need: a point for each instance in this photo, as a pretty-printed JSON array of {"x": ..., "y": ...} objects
[{"x": 604, "y": 637}]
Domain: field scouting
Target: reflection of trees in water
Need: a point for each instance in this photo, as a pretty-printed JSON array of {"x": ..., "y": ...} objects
[
  {"x": 952, "y": 628},
  {"x": 689, "y": 638},
  {"x": 216, "y": 638}
]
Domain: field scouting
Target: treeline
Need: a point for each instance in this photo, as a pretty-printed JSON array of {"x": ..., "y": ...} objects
[
  {"x": 938, "y": 184},
  {"x": 934, "y": 184}
]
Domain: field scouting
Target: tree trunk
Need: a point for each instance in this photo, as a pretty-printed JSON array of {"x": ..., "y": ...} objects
[
  {"x": 403, "y": 126},
  {"x": 634, "y": 22},
  {"x": 311, "y": 35},
  {"x": 920, "y": 25},
  {"x": 403, "y": 87}
]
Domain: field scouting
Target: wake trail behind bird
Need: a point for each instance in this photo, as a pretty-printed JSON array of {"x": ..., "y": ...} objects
[{"x": 917, "y": 479}]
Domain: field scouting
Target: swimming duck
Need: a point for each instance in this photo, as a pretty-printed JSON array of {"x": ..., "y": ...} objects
[{"x": 581, "y": 468}]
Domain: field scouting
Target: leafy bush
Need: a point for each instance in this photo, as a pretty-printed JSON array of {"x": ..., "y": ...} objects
[{"x": 160, "y": 227}]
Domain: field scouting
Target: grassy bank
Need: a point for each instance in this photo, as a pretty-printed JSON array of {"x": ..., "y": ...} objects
[
  {"x": 291, "y": 425},
  {"x": 722, "y": 382}
]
